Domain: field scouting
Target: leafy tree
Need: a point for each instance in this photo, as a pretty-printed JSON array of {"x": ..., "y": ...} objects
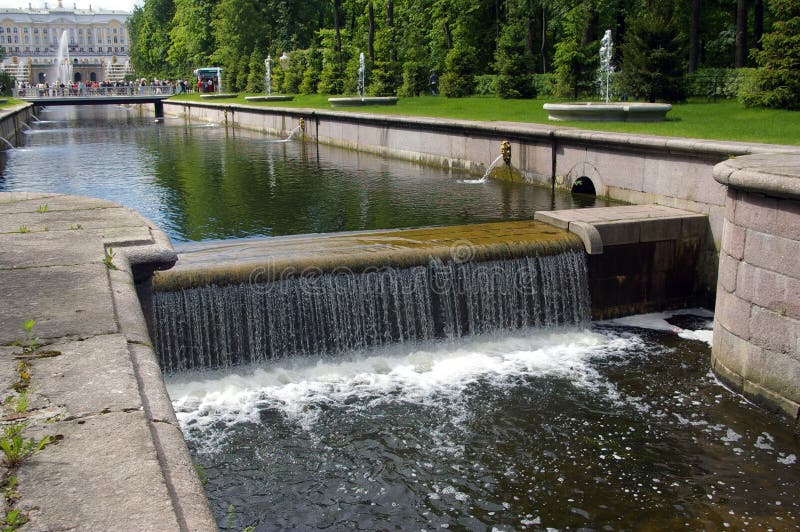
[
  {"x": 191, "y": 40},
  {"x": 776, "y": 83},
  {"x": 652, "y": 59},
  {"x": 149, "y": 28}
]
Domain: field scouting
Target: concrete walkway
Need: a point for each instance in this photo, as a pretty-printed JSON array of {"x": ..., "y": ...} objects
[{"x": 119, "y": 461}]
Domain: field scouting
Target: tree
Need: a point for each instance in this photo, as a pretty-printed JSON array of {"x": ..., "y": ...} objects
[
  {"x": 575, "y": 61},
  {"x": 652, "y": 59},
  {"x": 191, "y": 40},
  {"x": 514, "y": 62},
  {"x": 776, "y": 83},
  {"x": 149, "y": 28},
  {"x": 741, "y": 33}
]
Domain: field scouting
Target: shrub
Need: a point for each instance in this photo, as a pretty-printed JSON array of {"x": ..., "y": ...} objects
[{"x": 458, "y": 80}]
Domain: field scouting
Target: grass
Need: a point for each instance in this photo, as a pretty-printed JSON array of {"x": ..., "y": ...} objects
[{"x": 721, "y": 120}]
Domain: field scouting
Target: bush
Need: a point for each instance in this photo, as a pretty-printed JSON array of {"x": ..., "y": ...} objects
[
  {"x": 545, "y": 84},
  {"x": 458, "y": 80},
  {"x": 486, "y": 85},
  {"x": 415, "y": 79},
  {"x": 293, "y": 72},
  {"x": 385, "y": 78},
  {"x": 312, "y": 72},
  {"x": 715, "y": 83}
]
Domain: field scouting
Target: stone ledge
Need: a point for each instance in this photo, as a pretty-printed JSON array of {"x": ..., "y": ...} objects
[
  {"x": 631, "y": 224},
  {"x": 773, "y": 174}
]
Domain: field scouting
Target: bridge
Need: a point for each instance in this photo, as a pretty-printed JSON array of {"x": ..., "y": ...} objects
[{"x": 110, "y": 96}]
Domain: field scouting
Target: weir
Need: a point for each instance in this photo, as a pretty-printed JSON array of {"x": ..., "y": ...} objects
[{"x": 220, "y": 326}]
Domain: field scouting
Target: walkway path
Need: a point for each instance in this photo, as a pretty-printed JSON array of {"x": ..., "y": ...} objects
[{"x": 119, "y": 462}]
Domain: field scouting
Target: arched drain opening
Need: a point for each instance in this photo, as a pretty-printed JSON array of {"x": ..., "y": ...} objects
[{"x": 584, "y": 185}]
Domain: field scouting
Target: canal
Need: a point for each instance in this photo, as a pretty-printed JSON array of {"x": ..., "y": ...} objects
[{"x": 592, "y": 425}]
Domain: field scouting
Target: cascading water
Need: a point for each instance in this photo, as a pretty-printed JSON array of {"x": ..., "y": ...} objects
[
  {"x": 213, "y": 326},
  {"x": 606, "y": 68}
]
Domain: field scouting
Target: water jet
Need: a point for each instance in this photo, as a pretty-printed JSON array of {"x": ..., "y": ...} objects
[{"x": 362, "y": 100}]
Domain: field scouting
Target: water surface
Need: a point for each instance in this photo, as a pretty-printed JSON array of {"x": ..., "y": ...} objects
[
  {"x": 203, "y": 181},
  {"x": 608, "y": 427}
]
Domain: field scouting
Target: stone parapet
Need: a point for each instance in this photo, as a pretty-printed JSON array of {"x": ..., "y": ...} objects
[{"x": 757, "y": 328}]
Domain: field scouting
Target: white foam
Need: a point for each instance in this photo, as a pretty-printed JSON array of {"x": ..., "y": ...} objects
[
  {"x": 657, "y": 321},
  {"x": 299, "y": 387}
]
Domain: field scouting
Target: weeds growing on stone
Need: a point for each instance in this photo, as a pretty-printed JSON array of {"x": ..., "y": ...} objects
[
  {"x": 24, "y": 229},
  {"x": 15, "y": 448},
  {"x": 108, "y": 257},
  {"x": 42, "y": 208}
]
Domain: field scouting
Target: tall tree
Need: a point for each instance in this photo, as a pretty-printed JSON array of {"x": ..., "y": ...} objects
[
  {"x": 575, "y": 61},
  {"x": 777, "y": 82},
  {"x": 191, "y": 40},
  {"x": 694, "y": 37},
  {"x": 513, "y": 58},
  {"x": 652, "y": 59},
  {"x": 741, "y": 33}
]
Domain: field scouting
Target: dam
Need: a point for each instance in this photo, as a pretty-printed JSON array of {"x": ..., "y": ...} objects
[{"x": 533, "y": 422}]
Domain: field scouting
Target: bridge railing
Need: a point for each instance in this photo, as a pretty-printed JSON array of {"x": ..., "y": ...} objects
[{"x": 58, "y": 92}]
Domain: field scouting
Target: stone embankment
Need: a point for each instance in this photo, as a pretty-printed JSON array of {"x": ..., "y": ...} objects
[
  {"x": 757, "y": 330},
  {"x": 85, "y": 374}
]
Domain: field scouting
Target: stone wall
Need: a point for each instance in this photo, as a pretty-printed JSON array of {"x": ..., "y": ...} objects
[
  {"x": 757, "y": 329},
  {"x": 11, "y": 120}
]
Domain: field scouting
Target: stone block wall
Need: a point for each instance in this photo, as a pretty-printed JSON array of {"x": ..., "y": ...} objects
[{"x": 757, "y": 328}]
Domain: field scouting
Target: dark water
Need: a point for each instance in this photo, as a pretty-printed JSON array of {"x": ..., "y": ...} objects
[
  {"x": 201, "y": 181},
  {"x": 606, "y": 428}
]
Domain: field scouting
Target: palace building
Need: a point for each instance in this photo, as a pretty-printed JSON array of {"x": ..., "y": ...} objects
[{"x": 60, "y": 44}]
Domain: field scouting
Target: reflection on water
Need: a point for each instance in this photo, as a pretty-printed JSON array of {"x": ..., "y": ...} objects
[
  {"x": 201, "y": 181},
  {"x": 610, "y": 428}
]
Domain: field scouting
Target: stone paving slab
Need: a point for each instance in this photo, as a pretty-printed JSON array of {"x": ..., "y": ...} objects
[
  {"x": 120, "y": 462},
  {"x": 65, "y": 301},
  {"x": 89, "y": 376},
  {"x": 103, "y": 475}
]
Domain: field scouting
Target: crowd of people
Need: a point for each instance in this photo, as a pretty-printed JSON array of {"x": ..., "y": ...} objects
[{"x": 141, "y": 86}]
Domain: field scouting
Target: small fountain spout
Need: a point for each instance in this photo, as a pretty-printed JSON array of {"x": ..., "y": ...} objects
[
  {"x": 7, "y": 143},
  {"x": 505, "y": 152},
  {"x": 25, "y": 126}
]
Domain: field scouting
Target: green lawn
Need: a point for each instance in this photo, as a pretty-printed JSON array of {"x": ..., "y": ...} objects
[{"x": 723, "y": 120}]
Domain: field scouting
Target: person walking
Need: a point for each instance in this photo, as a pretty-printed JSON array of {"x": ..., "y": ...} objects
[{"x": 433, "y": 81}]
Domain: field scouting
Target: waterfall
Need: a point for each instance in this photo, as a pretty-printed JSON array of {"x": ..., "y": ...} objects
[{"x": 219, "y": 326}]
